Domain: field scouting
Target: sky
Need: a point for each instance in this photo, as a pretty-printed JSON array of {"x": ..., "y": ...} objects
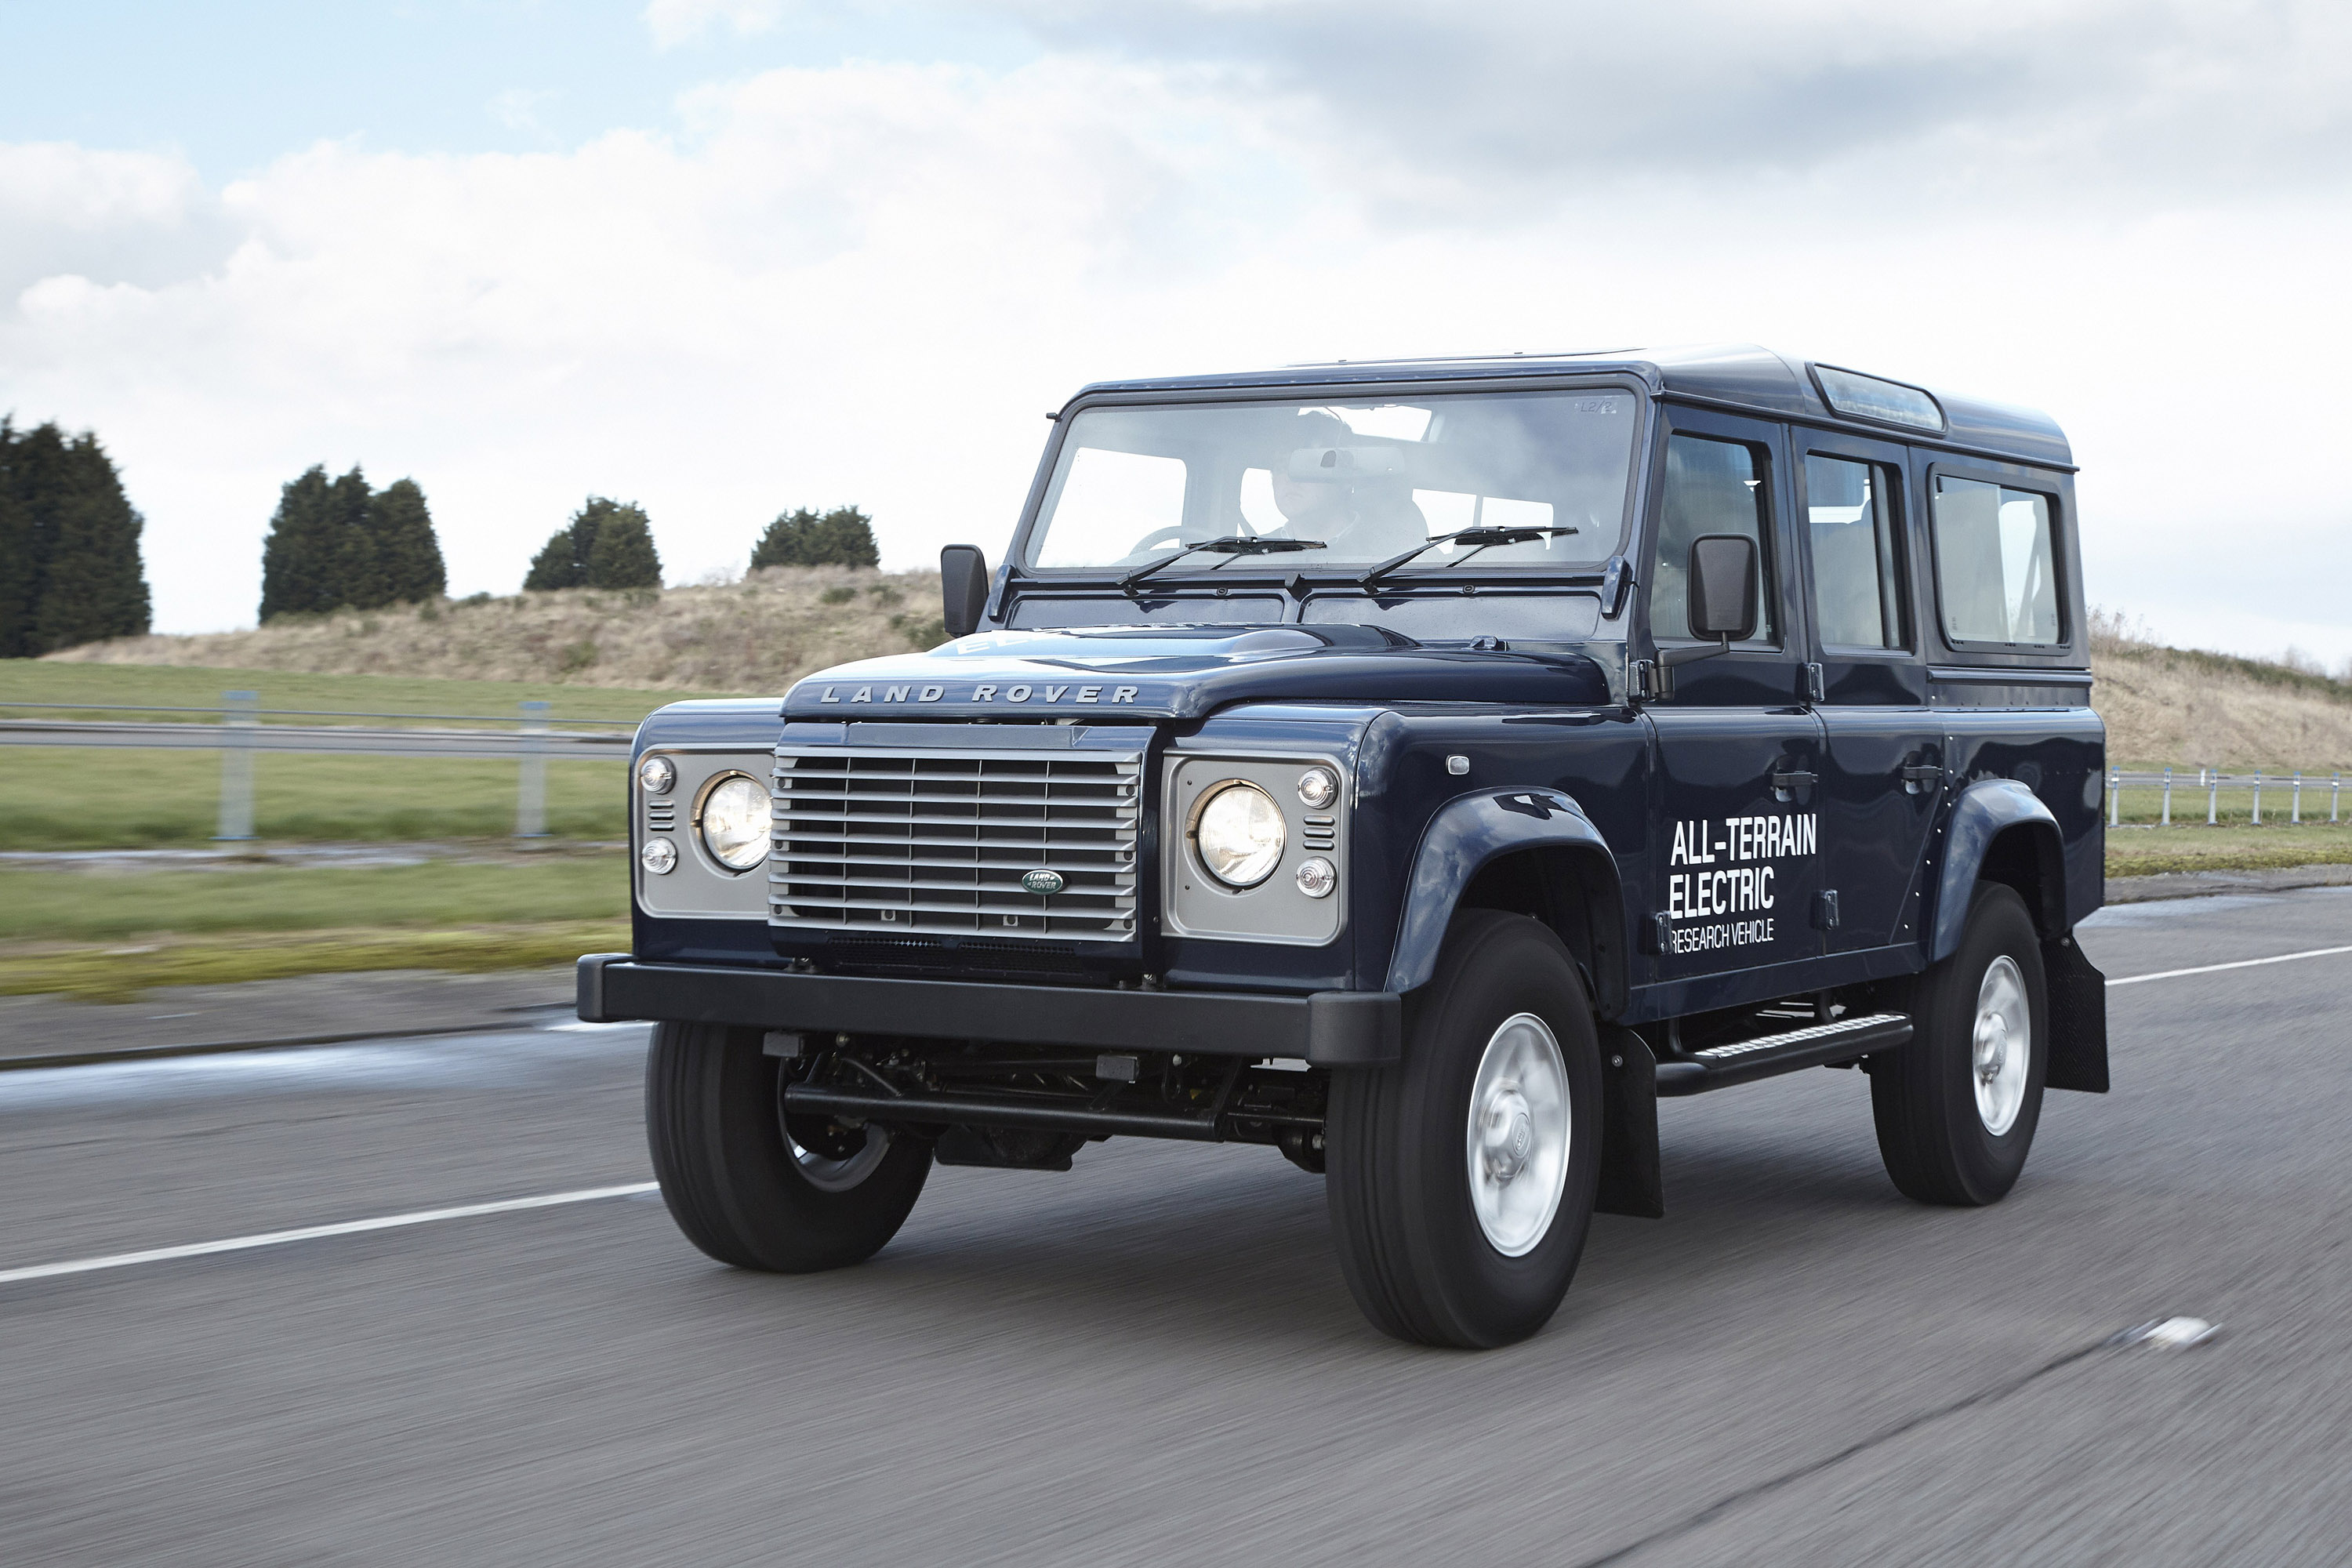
[{"x": 725, "y": 258}]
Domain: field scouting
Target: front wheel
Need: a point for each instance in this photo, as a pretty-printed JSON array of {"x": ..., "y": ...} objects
[
  {"x": 754, "y": 1188},
  {"x": 1462, "y": 1178},
  {"x": 1957, "y": 1107}
]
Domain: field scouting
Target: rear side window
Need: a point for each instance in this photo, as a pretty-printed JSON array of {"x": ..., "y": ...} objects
[
  {"x": 1857, "y": 568},
  {"x": 1994, "y": 571},
  {"x": 1712, "y": 487}
]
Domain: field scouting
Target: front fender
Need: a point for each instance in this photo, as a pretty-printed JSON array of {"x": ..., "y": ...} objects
[
  {"x": 1472, "y": 830},
  {"x": 1985, "y": 810}
]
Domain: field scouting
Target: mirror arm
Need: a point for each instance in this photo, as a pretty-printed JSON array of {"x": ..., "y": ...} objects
[{"x": 1669, "y": 657}]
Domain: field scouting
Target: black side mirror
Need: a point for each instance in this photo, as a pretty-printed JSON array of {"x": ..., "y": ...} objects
[
  {"x": 963, "y": 588},
  {"x": 1722, "y": 589}
]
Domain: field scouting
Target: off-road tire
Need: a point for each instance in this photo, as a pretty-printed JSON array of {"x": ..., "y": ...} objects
[
  {"x": 1936, "y": 1146},
  {"x": 1410, "y": 1242},
  {"x": 730, "y": 1179}
]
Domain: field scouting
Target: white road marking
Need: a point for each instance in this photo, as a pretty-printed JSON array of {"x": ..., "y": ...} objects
[
  {"x": 314, "y": 1232},
  {"x": 2241, "y": 964}
]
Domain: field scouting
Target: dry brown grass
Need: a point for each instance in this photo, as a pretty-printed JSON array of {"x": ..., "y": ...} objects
[
  {"x": 2162, "y": 704},
  {"x": 758, "y": 635},
  {"x": 2189, "y": 708}
]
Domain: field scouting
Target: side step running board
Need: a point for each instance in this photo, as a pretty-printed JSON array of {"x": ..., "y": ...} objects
[{"x": 1765, "y": 1055}]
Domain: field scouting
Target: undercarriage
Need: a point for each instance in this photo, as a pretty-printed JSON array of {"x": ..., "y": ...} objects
[{"x": 1024, "y": 1107}]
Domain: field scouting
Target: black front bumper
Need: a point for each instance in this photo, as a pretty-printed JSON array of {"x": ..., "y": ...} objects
[{"x": 1330, "y": 1029}]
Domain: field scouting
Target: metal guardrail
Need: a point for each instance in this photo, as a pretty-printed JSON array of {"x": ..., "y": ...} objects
[
  {"x": 240, "y": 734},
  {"x": 2212, "y": 782}
]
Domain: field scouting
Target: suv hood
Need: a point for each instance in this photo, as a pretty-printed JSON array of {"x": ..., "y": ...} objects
[{"x": 1184, "y": 672}]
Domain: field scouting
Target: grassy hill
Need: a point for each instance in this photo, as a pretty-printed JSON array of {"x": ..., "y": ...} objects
[
  {"x": 2186, "y": 707},
  {"x": 758, "y": 635},
  {"x": 2179, "y": 706}
]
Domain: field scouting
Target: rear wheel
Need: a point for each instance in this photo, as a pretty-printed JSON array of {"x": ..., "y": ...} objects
[
  {"x": 1462, "y": 1178},
  {"x": 750, "y": 1187},
  {"x": 1957, "y": 1107}
]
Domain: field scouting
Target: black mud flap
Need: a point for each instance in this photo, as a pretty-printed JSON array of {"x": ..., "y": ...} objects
[
  {"x": 2078, "y": 1017},
  {"x": 1630, "y": 1180}
]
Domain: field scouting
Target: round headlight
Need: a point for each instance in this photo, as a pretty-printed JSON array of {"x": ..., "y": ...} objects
[
  {"x": 656, "y": 774},
  {"x": 1238, "y": 829},
  {"x": 1318, "y": 787},
  {"x": 733, "y": 821},
  {"x": 660, "y": 856}
]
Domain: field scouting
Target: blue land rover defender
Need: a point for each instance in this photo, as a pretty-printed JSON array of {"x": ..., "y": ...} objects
[{"x": 1419, "y": 767}]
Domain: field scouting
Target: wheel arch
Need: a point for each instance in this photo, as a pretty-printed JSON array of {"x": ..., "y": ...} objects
[
  {"x": 1530, "y": 852},
  {"x": 2000, "y": 832}
]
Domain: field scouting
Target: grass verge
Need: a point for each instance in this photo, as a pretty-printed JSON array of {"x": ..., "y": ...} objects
[
  {"x": 105, "y": 686},
  {"x": 2142, "y": 851},
  {"x": 100, "y": 797},
  {"x": 94, "y": 974},
  {"x": 84, "y": 905}
]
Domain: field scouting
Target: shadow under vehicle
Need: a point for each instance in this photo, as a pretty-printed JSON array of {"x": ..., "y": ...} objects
[{"x": 1420, "y": 767}]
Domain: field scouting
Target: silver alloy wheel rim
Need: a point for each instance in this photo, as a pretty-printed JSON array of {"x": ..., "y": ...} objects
[
  {"x": 1518, "y": 1134},
  {"x": 2001, "y": 1047},
  {"x": 827, "y": 1175}
]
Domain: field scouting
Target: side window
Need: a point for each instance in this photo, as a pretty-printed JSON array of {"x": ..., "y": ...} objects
[
  {"x": 1993, "y": 572},
  {"x": 1857, "y": 573},
  {"x": 1712, "y": 487}
]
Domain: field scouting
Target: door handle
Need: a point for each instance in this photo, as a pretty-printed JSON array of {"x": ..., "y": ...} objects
[
  {"x": 1787, "y": 783},
  {"x": 1919, "y": 777}
]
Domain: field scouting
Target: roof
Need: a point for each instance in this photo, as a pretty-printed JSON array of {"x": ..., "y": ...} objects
[{"x": 1739, "y": 374}]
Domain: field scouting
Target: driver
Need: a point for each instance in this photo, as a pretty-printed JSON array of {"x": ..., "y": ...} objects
[{"x": 1365, "y": 519}]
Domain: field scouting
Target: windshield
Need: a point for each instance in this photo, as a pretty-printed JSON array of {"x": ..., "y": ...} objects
[{"x": 1366, "y": 481}]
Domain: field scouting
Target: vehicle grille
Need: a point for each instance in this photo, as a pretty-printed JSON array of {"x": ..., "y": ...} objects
[{"x": 903, "y": 842}]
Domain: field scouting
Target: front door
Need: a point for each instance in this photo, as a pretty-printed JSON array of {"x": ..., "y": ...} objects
[
  {"x": 1884, "y": 776},
  {"x": 1739, "y": 752}
]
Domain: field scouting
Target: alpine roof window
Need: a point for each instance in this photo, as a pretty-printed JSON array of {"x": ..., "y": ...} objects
[{"x": 1859, "y": 396}]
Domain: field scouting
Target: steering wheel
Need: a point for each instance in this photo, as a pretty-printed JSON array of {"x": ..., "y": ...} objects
[{"x": 1171, "y": 535}]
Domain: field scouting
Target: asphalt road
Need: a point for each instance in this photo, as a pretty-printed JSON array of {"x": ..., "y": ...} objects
[{"x": 1152, "y": 1358}]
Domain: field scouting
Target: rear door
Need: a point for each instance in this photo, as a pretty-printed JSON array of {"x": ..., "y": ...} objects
[
  {"x": 1738, "y": 750},
  {"x": 1882, "y": 774}
]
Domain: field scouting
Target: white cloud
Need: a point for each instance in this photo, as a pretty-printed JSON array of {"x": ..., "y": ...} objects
[
  {"x": 867, "y": 283},
  {"x": 674, "y": 22}
]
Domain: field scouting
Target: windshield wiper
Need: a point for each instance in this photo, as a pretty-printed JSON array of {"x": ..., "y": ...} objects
[
  {"x": 1225, "y": 544},
  {"x": 1477, "y": 538}
]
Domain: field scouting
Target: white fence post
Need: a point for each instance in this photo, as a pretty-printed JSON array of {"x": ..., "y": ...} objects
[
  {"x": 2115, "y": 798},
  {"x": 2212, "y": 780},
  {"x": 2295, "y": 813},
  {"x": 2168, "y": 797},
  {"x": 2258, "y": 797},
  {"x": 531, "y": 788},
  {"x": 241, "y": 710}
]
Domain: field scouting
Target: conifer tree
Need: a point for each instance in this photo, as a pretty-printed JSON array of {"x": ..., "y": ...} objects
[
  {"x": 579, "y": 555},
  {"x": 69, "y": 564},
  {"x": 20, "y": 546},
  {"x": 623, "y": 554},
  {"x": 299, "y": 560},
  {"x": 842, "y": 537},
  {"x": 407, "y": 553},
  {"x": 353, "y": 579}
]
